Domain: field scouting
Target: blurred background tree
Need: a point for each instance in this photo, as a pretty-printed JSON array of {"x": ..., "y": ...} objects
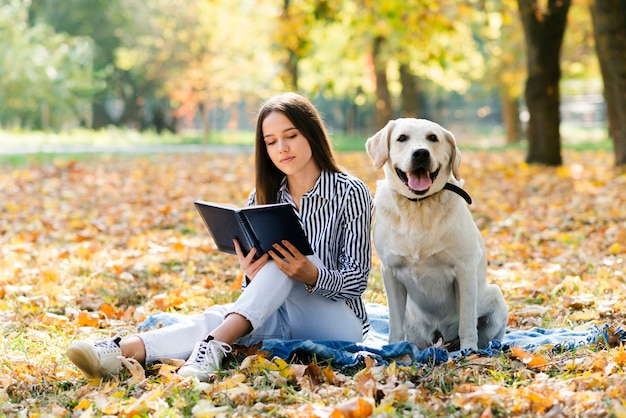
[
  {"x": 544, "y": 28},
  {"x": 206, "y": 65},
  {"x": 609, "y": 23},
  {"x": 46, "y": 77},
  {"x": 103, "y": 22}
]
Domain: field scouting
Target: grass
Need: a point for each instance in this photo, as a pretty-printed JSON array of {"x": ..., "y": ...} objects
[
  {"x": 55, "y": 278},
  {"x": 37, "y": 143},
  {"x": 114, "y": 137},
  {"x": 109, "y": 136}
]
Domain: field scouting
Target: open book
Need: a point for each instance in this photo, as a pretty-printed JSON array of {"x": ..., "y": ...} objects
[{"x": 258, "y": 226}]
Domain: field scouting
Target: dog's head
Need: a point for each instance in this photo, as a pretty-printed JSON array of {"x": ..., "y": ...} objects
[{"x": 419, "y": 156}]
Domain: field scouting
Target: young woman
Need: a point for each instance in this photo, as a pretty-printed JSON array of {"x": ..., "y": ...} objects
[{"x": 285, "y": 294}]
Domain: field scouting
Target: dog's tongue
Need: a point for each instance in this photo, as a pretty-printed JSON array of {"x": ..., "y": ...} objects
[{"x": 419, "y": 181}]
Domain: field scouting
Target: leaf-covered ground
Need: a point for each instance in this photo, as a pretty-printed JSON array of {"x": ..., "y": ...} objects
[{"x": 93, "y": 246}]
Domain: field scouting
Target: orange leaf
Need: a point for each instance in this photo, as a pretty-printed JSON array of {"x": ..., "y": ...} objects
[
  {"x": 160, "y": 301},
  {"x": 358, "y": 407},
  {"x": 236, "y": 284},
  {"x": 108, "y": 310},
  {"x": 531, "y": 360},
  {"x": 366, "y": 384},
  {"x": 48, "y": 318},
  {"x": 329, "y": 374},
  {"x": 87, "y": 319},
  {"x": 620, "y": 357}
]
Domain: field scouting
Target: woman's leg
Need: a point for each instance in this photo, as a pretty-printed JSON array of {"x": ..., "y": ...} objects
[
  {"x": 261, "y": 300},
  {"x": 258, "y": 309},
  {"x": 280, "y": 307},
  {"x": 263, "y": 296},
  {"x": 314, "y": 317},
  {"x": 258, "y": 313},
  {"x": 100, "y": 358},
  {"x": 272, "y": 306},
  {"x": 174, "y": 341}
]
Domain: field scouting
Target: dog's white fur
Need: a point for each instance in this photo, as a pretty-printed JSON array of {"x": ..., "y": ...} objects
[{"x": 432, "y": 254}]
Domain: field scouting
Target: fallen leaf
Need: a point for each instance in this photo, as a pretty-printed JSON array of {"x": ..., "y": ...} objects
[
  {"x": 536, "y": 361},
  {"x": 358, "y": 407}
]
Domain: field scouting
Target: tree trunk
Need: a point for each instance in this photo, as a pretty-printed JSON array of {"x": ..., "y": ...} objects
[
  {"x": 291, "y": 64},
  {"x": 292, "y": 71},
  {"x": 383, "y": 97},
  {"x": 410, "y": 93},
  {"x": 544, "y": 31},
  {"x": 510, "y": 116},
  {"x": 206, "y": 115},
  {"x": 100, "y": 117},
  {"x": 609, "y": 28}
]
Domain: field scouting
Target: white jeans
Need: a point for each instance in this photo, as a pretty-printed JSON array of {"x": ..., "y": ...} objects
[{"x": 276, "y": 306}]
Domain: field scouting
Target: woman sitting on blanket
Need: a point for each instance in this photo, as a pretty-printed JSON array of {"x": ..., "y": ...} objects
[{"x": 286, "y": 295}]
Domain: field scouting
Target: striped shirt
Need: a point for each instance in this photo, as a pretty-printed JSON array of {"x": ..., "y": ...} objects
[{"x": 336, "y": 215}]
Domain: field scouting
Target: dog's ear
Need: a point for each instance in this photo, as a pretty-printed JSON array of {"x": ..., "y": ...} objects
[
  {"x": 455, "y": 157},
  {"x": 377, "y": 146}
]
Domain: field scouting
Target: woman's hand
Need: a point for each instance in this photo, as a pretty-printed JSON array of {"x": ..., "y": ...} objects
[
  {"x": 247, "y": 263},
  {"x": 293, "y": 263}
]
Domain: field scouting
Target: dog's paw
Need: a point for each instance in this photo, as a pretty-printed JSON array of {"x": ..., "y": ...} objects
[{"x": 468, "y": 343}]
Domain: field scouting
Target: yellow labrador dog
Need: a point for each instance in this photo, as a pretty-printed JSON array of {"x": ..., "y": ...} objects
[{"x": 432, "y": 254}]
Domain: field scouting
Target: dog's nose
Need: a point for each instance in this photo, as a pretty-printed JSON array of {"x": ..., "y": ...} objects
[{"x": 420, "y": 156}]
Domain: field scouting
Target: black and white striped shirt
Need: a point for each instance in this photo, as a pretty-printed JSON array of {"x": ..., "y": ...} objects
[{"x": 336, "y": 215}]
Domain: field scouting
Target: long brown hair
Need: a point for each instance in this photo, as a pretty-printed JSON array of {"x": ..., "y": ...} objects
[{"x": 306, "y": 119}]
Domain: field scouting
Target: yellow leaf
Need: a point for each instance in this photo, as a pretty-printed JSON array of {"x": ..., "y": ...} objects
[
  {"x": 240, "y": 389},
  {"x": 584, "y": 315},
  {"x": 83, "y": 404},
  {"x": 256, "y": 363},
  {"x": 50, "y": 275},
  {"x": 283, "y": 367},
  {"x": 385, "y": 409},
  {"x": 231, "y": 382},
  {"x": 563, "y": 172}
]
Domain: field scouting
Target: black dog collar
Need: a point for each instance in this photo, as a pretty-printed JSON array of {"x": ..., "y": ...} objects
[{"x": 453, "y": 188}]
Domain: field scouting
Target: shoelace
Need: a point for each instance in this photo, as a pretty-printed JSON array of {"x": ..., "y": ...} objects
[
  {"x": 211, "y": 347},
  {"x": 113, "y": 342}
]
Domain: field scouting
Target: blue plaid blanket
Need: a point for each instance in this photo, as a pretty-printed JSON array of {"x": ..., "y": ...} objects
[{"x": 345, "y": 354}]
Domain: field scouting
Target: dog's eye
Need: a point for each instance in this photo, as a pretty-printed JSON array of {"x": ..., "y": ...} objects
[
  {"x": 432, "y": 138},
  {"x": 402, "y": 138}
]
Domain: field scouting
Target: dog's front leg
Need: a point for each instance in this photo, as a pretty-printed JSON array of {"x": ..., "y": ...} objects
[
  {"x": 467, "y": 297},
  {"x": 396, "y": 300}
]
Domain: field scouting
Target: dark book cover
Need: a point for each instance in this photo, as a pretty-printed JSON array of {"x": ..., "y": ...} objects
[{"x": 258, "y": 226}]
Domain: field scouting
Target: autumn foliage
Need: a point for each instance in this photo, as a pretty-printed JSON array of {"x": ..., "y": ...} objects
[{"x": 94, "y": 245}]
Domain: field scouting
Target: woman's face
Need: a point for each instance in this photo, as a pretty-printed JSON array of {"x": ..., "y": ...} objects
[{"x": 288, "y": 149}]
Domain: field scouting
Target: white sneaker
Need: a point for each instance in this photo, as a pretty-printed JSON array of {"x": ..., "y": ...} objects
[
  {"x": 97, "y": 358},
  {"x": 205, "y": 360}
]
